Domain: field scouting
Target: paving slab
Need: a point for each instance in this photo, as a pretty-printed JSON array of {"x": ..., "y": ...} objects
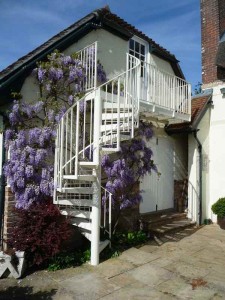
[
  {"x": 61, "y": 275},
  {"x": 88, "y": 286},
  {"x": 149, "y": 248},
  {"x": 138, "y": 257},
  {"x": 216, "y": 280},
  {"x": 150, "y": 272},
  {"x": 123, "y": 280},
  {"x": 187, "y": 270},
  {"x": 137, "y": 291},
  {"x": 182, "y": 289},
  {"x": 150, "y": 275},
  {"x": 113, "y": 267}
]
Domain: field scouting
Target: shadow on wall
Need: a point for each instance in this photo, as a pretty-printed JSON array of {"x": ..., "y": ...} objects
[
  {"x": 193, "y": 202},
  {"x": 25, "y": 293}
]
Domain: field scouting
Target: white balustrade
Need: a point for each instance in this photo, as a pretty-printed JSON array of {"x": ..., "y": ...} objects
[{"x": 165, "y": 90}]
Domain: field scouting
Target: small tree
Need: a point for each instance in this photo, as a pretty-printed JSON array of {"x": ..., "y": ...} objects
[{"x": 40, "y": 231}]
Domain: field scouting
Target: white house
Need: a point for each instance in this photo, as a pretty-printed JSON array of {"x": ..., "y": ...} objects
[
  {"x": 206, "y": 149},
  {"x": 206, "y": 167},
  {"x": 150, "y": 86}
]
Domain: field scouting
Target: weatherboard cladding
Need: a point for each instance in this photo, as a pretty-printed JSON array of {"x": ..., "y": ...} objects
[{"x": 101, "y": 17}]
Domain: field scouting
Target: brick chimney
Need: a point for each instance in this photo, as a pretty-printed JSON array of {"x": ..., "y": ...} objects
[{"x": 213, "y": 27}]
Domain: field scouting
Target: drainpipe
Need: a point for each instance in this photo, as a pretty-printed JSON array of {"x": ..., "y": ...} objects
[{"x": 200, "y": 174}]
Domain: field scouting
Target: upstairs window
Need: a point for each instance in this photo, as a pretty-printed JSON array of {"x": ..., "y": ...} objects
[{"x": 138, "y": 50}]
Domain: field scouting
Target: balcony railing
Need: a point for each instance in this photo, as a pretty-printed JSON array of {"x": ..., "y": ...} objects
[
  {"x": 165, "y": 91},
  {"x": 88, "y": 56}
]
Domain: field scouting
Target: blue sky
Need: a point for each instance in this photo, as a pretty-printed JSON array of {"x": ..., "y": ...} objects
[{"x": 175, "y": 25}]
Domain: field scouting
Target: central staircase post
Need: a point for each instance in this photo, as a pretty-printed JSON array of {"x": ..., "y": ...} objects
[{"x": 96, "y": 208}]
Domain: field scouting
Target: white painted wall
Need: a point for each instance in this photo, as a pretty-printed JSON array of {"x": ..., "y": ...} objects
[
  {"x": 161, "y": 64},
  {"x": 180, "y": 148},
  {"x": 217, "y": 150},
  {"x": 111, "y": 50},
  {"x": 193, "y": 171},
  {"x": 30, "y": 90},
  {"x": 111, "y": 54}
]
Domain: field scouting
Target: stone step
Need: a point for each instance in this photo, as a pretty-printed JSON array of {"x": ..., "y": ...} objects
[
  {"x": 174, "y": 236},
  {"x": 157, "y": 219},
  {"x": 173, "y": 226}
]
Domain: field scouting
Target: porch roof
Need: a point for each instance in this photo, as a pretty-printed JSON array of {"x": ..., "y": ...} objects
[{"x": 199, "y": 105}]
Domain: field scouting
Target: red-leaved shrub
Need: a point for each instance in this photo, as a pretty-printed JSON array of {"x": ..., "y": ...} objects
[{"x": 40, "y": 232}]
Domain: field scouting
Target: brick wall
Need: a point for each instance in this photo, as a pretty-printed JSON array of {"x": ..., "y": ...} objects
[
  {"x": 9, "y": 215},
  {"x": 180, "y": 195},
  {"x": 213, "y": 25},
  {"x": 221, "y": 16}
]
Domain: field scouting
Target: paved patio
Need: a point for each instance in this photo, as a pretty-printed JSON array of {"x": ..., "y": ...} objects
[{"x": 192, "y": 268}]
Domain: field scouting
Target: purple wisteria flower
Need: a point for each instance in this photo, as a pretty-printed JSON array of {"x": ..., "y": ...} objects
[
  {"x": 41, "y": 73},
  {"x": 124, "y": 173},
  {"x": 31, "y": 138}
]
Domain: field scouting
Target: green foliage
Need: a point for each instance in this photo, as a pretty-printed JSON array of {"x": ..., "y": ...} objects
[
  {"x": 218, "y": 208},
  {"x": 108, "y": 253},
  {"x": 135, "y": 238},
  {"x": 67, "y": 260},
  {"x": 129, "y": 239},
  {"x": 120, "y": 242}
]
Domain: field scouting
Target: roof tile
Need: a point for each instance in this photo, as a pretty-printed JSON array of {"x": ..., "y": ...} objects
[{"x": 198, "y": 103}]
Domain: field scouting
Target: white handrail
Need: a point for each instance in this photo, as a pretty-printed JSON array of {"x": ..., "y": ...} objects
[
  {"x": 165, "y": 90},
  {"x": 107, "y": 211},
  {"x": 120, "y": 93},
  {"x": 88, "y": 56}
]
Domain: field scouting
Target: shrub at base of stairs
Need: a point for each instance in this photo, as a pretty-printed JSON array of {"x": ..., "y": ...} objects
[
  {"x": 66, "y": 260},
  {"x": 40, "y": 232}
]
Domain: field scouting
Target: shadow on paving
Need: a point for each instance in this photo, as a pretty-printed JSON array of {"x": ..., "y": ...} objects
[
  {"x": 175, "y": 236},
  {"x": 25, "y": 293}
]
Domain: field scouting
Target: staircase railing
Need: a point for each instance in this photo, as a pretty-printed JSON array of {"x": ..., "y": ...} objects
[
  {"x": 106, "y": 221},
  {"x": 120, "y": 100},
  {"x": 165, "y": 90},
  {"x": 88, "y": 56},
  {"x": 77, "y": 130}
]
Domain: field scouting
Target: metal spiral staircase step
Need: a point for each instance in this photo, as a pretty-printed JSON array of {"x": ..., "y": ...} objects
[
  {"x": 77, "y": 190},
  {"x": 74, "y": 202},
  {"x": 81, "y": 223},
  {"x": 82, "y": 214},
  {"x": 114, "y": 115},
  {"x": 80, "y": 177},
  {"x": 114, "y": 126}
]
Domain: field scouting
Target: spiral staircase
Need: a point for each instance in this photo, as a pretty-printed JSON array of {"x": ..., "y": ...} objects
[{"x": 94, "y": 125}]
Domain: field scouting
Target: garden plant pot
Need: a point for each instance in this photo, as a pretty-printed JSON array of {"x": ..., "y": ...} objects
[
  {"x": 12, "y": 265},
  {"x": 221, "y": 222}
]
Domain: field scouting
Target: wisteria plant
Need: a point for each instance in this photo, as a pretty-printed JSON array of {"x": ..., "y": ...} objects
[
  {"x": 30, "y": 139},
  {"x": 124, "y": 174}
]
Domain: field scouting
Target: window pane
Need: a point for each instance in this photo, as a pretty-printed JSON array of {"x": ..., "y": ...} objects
[
  {"x": 137, "y": 55},
  {"x": 142, "y": 49},
  {"x": 132, "y": 44},
  {"x": 142, "y": 57},
  {"x": 137, "y": 47}
]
